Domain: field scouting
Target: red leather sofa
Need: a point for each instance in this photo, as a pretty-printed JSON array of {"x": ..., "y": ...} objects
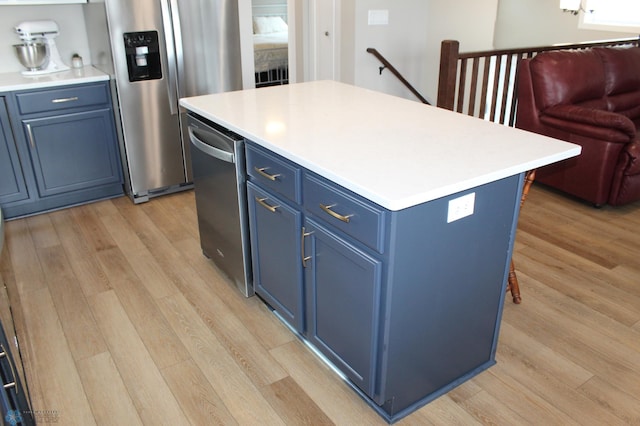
[{"x": 589, "y": 97}]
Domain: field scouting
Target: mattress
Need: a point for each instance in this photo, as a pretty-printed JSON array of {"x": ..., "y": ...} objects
[{"x": 270, "y": 51}]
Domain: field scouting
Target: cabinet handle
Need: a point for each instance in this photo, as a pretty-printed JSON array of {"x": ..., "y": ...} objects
[
  {"x": 327, "y": 209},
  {"x": 260, "y": 201},
  {"x": 262, "y": 172},
  {"x": 30, "y": 134},
  {"x": 62, "y": 100},
  {"x": 302, "y": 255},
  {"x": 13, "y": 373}
]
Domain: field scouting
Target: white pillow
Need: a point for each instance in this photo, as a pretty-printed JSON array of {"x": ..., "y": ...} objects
[{"x": 268, "y": 24}]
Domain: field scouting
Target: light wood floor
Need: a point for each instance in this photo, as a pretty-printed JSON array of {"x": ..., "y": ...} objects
[{"x": 127, "y": 323}]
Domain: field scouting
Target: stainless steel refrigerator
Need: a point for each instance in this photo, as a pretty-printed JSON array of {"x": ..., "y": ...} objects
[{"x": 156, "y": 52}]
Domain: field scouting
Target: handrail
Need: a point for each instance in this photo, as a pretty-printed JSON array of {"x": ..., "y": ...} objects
[{"x": 395, "y": 72}]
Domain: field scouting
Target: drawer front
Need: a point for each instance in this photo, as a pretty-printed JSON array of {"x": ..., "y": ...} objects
[
  {"x": 354, "y": 215},
  {"x": 274, "y": 172},
  {"x": 62, "y": 98}
]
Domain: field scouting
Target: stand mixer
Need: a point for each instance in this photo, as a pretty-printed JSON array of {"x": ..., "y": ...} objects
[{"x": 45, "y": 31}]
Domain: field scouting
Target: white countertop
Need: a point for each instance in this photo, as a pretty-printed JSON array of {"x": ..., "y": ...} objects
[
  {"x": 393, "y": 151},
  {"x": 16, "y": 81}
]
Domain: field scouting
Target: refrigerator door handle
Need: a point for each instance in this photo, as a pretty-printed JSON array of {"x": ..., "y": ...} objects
[
  {"x": 171, "y": 56},
  {"x": 179, "y": 51}
]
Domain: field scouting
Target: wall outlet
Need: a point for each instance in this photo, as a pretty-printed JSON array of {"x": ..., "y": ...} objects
[{"x": 461, "y": 207}]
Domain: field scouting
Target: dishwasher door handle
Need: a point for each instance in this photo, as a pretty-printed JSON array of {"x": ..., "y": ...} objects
[{"x": 210, "y": 150}]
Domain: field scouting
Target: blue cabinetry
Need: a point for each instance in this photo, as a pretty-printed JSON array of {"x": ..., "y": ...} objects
[
  {"x": 12, "y": 184},
  {"x": 342, "y": 284},
  {"x": 275, "y": 238},
  {"x": 406, "y": 304},
  {"x": 66, "y": 147}
]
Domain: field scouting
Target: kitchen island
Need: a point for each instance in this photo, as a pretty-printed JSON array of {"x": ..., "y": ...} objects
[{"x": 381, "y": 229}]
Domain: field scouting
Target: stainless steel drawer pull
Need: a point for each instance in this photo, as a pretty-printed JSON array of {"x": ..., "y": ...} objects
[
  {"x": 327, "y": 209},
  {"x": 302, "y": 255},
  {"x": 13, "y": 373},
  {"x": 262, "y": 172},
  {"x": 261, "y": 201},
  {"x": 30, "y": 135},
  {"x": 61, "y": 100}
]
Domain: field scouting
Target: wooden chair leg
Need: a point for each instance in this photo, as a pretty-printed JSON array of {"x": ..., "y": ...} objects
[{"x": 513, "y": 285}]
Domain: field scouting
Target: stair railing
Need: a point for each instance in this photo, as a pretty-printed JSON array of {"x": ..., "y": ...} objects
[{"x": 394, "y": 71}]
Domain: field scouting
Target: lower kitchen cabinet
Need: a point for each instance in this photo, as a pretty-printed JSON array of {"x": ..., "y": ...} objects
[
  {"x": 405, "y": 304},
  {"x": 75, "y": 151},
  {"x": 277, "y": 270},
  {"x": 342, "y": 285},
  {"x": 60, "y": 148},
  {"x": 12, "y": 184}
]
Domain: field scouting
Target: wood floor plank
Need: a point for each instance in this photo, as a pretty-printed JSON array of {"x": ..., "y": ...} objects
[
  {"x": 445, "y": 411},
  {"x": 199, "y": 401},
  {"x": 90, "y": 275},
  {"x": 141, "y": 260},
  {"x": 93, "y": 231},
  {"x": 255, "y": 316},
  {"x": 149, "y": 392},
  {"x": 339, "y": 402},
  {"x": 110, "y": 401},
  {"x": 293, "y": 405},
  {"x": 621, "y": 404},
  {"x": 574, "y": 311},
  {"x": 480, "y": 406},
  {"x": 55, "y": 371},
  {"x": 24, "y": 260},
  {"x": 585, "y": 287},
  {"x": 42, "y": 231},
  {"x": 175, "y": 229},
  {"x": 591, "y": 348},
  {"x": 182, "y": 208},
  {"x": 228, "y": 379},
  {"x": 76, "y": 319},
  {"x": 165, "y": 347},
  {"x": 230, "y": 330}
]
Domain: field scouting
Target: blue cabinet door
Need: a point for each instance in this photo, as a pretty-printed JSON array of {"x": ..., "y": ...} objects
[
  {"x": 73, "y": 151},
  {"x": 342, "y": 284},
  {"x": 275, "y": 230},
  {"x": 12, "y": 182}
]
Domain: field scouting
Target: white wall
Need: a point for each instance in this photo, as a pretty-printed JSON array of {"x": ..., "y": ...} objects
[
  {"x": 542, "y": 24},
  {"x": 72, "y": 38},
  {"x": 471, "y": 22},
  {"x": 402, "y": 42}
]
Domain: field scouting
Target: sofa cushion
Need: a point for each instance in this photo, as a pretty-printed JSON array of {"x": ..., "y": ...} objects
[
  {"x": 621, "y": 67},
  {"x": 554, "y": 76}
]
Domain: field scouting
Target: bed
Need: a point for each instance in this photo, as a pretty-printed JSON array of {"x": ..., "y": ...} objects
[{"x": 271, "y": 52}]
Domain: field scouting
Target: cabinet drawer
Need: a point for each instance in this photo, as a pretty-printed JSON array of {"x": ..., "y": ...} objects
[
  {"x": 62, "y": 98},
  {"x": 354, "y": 215},
  {"x": 274, "y": 172}
]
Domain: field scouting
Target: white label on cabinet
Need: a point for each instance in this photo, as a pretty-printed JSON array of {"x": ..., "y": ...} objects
[{"x": 461, "y": 207}]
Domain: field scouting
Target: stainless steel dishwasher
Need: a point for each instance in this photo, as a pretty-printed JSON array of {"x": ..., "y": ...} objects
[{"x": 218, "y": 163}]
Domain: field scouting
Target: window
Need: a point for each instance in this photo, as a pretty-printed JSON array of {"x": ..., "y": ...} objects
[{"x": 612, "y": 15}]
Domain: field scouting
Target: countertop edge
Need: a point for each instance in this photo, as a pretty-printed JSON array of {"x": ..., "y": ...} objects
[{"x": 11, "y": 82}]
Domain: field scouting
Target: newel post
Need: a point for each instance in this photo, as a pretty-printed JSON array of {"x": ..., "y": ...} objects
[{"x": 448, "y": 71}]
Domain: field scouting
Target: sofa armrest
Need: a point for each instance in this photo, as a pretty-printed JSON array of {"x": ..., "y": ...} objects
[
  {"x": 590, "y": 122},
  {"x": 630, "y": 158}
]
